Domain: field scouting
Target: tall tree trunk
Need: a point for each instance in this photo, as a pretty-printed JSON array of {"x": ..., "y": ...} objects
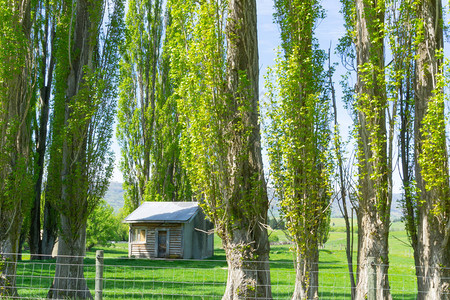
[
  {"x": 373, "y": 236},
  {"x": 69, "y": 279},
  {"x": 247, "y": 254},
  {"x": 35, "y": 238},
  {"x": 49, "y": 231},
  {"x": 343, "y": 186},
  {"x": 404, "y": 51},
  {"x": 16, "y": 77},
  {"x": 9, "y": 250},
  {"x": 307, "y": 273},
  {"x": 407, "y": 172},
  {"x": 433, "y": 249},
  {"x": 246, "y": 240},
  {"x": 374, "y": 195}
]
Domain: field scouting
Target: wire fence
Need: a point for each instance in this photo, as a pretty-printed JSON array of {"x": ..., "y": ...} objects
[{"x": 124, "y": 278}]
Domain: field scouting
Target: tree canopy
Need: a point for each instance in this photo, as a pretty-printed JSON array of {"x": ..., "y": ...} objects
[{"x": 181, "y": 80}]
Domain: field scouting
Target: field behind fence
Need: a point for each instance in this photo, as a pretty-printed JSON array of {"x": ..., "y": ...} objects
[{"x": 125, "y": 278}]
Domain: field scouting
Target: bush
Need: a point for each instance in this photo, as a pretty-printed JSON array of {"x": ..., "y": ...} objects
[
  {"x": 273, "y": 238},
  {"x": 104, "y": 226}
]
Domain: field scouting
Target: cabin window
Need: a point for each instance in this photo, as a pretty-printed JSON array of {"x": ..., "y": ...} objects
[{"x": 139, "y": 235}]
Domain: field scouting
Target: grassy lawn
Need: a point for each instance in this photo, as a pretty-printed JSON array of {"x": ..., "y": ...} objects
[{"x": 179, "y": 279}]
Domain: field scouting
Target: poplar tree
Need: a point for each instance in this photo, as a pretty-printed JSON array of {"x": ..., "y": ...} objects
[
  {"x": 45, "y": 27},
  {"x": 81, "y": 159},
  {"x": 346, "y": 49},
  {"x": 431, "y": 157},
  {"x": 16, "y": 105},
  {"x": 214, "y": 66},
  {"x": 299, "y": 137},
  {"x": 148, "y": 129},
  {"x": 366, "y": 28},
  {"x": 169, "y": 181},
  {"x": 374, "y": 200},
  {"x": 417, "y": 43},
  {"x": 139, "y": 74},
  {"x": 402, "y": 37}
]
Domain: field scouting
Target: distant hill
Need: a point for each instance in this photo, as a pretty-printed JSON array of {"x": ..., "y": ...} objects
[
  {"x": 114, "y": 195},
  {"x": 396, "y": 208}
]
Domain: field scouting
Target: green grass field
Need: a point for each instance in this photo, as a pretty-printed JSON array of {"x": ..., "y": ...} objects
[{"x": 180, "y": 279}]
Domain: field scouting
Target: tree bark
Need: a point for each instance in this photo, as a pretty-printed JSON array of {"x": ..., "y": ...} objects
[
  {"x": 9, "y": 250},
  {"x": 248, "y": 264},
  {"x": 307, "y": 273},
  {"x": 374, "y": 196},
  {"x": 49, "y": 231},
  {"x": 373, "y": 235},
  {"x": 16, "y": 79},
  {"x": 245, "y": 240},
  {"x": 433, "y": 274},
  {"x": 69, "y": 281}
]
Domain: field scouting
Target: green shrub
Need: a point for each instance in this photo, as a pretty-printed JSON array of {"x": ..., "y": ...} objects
[{"x": 273, "y": 238}]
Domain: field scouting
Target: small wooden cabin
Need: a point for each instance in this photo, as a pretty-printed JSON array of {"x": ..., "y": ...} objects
[{"x": 170, "y": 230}]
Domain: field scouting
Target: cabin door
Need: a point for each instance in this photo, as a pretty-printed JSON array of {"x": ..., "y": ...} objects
[{"x": 162, "y": 243}]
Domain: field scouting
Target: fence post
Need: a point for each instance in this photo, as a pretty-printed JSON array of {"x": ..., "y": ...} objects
[
  {"x": 99, "y": 275},
  {"x": 372, "y": 288}
]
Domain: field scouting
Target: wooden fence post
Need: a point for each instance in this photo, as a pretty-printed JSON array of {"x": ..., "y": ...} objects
[{"x": 99, "y": 275}]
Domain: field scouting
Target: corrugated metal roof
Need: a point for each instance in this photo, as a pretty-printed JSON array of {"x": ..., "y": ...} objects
[{"x": 175, "y": 212}]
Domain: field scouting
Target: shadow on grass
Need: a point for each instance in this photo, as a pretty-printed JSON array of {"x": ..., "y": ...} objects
[
  {"x": 107, "y": 296},
  {"x": 113, "y": 250},
  {"x": 344, "y": 295},
  {"x": 325, "y": 251},
  {"x": 160, "y": 263}
]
